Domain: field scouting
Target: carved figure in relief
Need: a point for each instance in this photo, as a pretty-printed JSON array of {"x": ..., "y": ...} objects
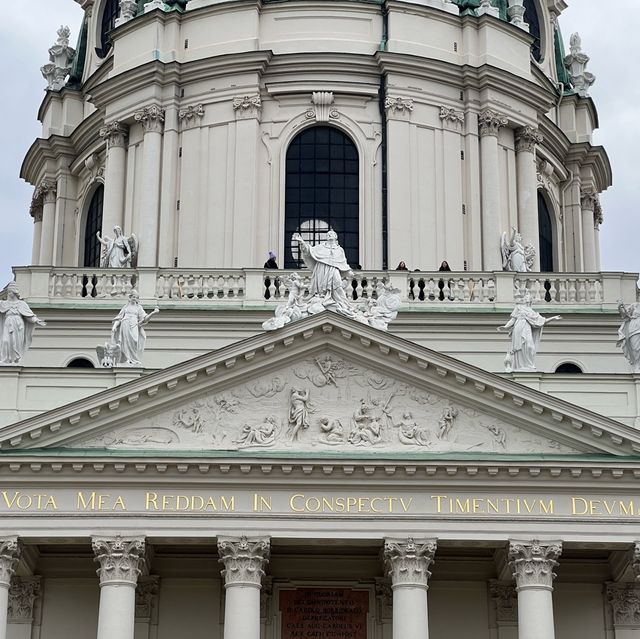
[
  {"x": 514, "y": 254},
  {"x": 189, "y": 419},
  {"x": 629, "y": 333},
  {"x": 292, "y": 309},
  {"x": 263, "y": 434},
  {"x": 381, "y": 310},
  {"x": 17, "y": 322},
  {"x": 299, "y": 409},
  {"x": 267, "y": 388},
  {"x": 128, "y": 332},
  {"x": 146, "y": 436},
  {"x": 445, "y": 424},
  {"x": 119, "y": 251},
  {"x": 108, "y": 354},
  {"x": 409, "y": 433},
  {"x": 367, "y": 426},
  {"x": 332, "y": 432},
  {"x": 525, "y": 328},
  {"x": 499, "y": 435}
]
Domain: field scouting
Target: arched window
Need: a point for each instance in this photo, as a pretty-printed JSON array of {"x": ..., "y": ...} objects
[
  {"x": 110, "y": 11},
  {"x": 80, "y": 362},
  {"x": 92, "y": 226},
  {"x": 546, "y": 235},
  {"x": 322, "y": 192},
  {"x": 569, "y": 368},
  {"x": 531, "y": 17}
]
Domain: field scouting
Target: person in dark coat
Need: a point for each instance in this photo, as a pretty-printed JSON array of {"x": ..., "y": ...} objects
[{"x": 271, "y": 262}]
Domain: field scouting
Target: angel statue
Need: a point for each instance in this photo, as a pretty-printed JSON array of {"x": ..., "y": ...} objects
[
  {"x": 128, "y": 332},
  {"x": 17, "y": 322},
  {"x": 119, "y": 251},
  {"x": 514, "y": 255}
]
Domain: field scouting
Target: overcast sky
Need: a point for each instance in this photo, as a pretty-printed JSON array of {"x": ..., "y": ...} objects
[{"x": 608, "y": 29}]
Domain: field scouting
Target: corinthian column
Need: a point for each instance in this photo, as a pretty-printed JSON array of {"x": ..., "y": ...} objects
[
  {"x": 532, "y": 563},
  {"x": 147, "y": 221},
  {"x": 588, "y": 204},
  {"x": 624, "y": 599},
  {"x": 121, "y": 561},
  {"x": 48, "y": 191},
  {"x": 490, "y": 123},
  {"x": 9, "y": 556},
  {"x": 244, "y": 560},
  {"x": 115, "y": 134},
  {"x": 526, "y": 174},
  {"x": 407, "y": 563}
]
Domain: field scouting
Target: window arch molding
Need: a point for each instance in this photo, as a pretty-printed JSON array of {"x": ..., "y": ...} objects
[
  {"x": 369, "y": 182},
  {"x": 95, "y": 186}
]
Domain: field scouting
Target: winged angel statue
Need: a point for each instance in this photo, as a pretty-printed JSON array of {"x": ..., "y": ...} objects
[
  {"x": 515, "y": 256},
  {"x": 120, "y": 251}
]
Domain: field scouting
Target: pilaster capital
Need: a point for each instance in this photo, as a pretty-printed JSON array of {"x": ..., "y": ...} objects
[
  {"x": 451, "y": 118},
  {"x": 191, "y": 116},
  {"x": 147, "y": 590},
  {"x": 244, "y": 559},
  {"x": 247, "y": 107},
  {"x": 35, "y": 210},
  {"x": 624, "y": 599},
  {"x": 532, "y": 563},
  {"x": 151, "y": 118},
  {"x": 635, "y": 561},
  {"x": 505, "y": 600},
  {"x": 23, "y": 593},
  {"x": 384, "y": 598},
  {"x": 407, "y": 561},
  {"x": 10, "y": 551},
  {"x": 121, "y": 560},
  {"x": 115, "y": 134},
  {"x": 527, "y": 138},
  {"x": 490, "y": 122},
  {"x": 589, "y": 200},
  {"x": 398, "y": 108},
  {"x": 47, "y": 191}
]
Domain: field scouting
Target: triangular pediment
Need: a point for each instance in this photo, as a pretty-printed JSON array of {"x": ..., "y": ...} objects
[{"x": 329, "y": 386}]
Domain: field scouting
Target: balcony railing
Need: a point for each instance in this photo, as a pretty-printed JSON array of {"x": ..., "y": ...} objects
[{"x": 258, "y": 287}]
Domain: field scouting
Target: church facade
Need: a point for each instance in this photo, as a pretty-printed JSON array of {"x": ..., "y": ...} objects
[{"x": 170, "y": 468}]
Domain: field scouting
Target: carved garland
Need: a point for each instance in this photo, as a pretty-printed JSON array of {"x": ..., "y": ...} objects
[{"x": 407, "y": 562}]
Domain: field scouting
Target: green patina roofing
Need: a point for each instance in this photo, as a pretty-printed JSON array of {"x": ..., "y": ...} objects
[
  {"x": 173, "y": 5},
  {"x": 468, "y": 7},
  {"x": 77, "y": 67},
  {"x": 562, "y": 71}
]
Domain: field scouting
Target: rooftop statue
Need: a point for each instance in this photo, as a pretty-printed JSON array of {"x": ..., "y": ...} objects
[
  {"x": 515, "y": 256},
  {"x": 119, "y": 251},
  {"x": 128, "y": 332},
  {"x": 17, "y": 322},
  {"x": 629, "y": 333},
  {"x": 525, "y": 328},
  {"x": 61, "y": 56},
  {"x": 576, "y": 62}
]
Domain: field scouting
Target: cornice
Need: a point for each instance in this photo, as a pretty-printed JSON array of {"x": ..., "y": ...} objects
[
  {"x": 57, "y": 96},
  {"x": 587, "y": 102},
  {"x": 586, "y": 154}
]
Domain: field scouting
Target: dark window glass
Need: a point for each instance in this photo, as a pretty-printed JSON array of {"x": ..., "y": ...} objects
[
  {"x": 80, "y": 362},
  {"x": 546, "y": 235},
  {"x": 573, "y": 369},
  {"x": 92, "y": 226},
  {"x": 322, "y": 192},
  {"x": 531, "y": 16},
  {"x": 109, "y": 14}
]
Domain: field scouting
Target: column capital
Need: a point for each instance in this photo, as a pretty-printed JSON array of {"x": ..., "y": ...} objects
[
  {"x": 121, "y": 559},
  {"x": 247, "y": 107},
  {"x": 589, "y": 199},
  {"x": 624, "y": 599},
  {"x": 527, "y": 138},
  {"x": 505, "y": 599},
  {"x": 452, "y": 118},
  {"x": 23, "y": 593},
  {"x": 532, "y": 563},
  {"x": 10, "y": 551},
  {"x": 147, "y": 596},
  {"x": 490, "y": 122},
  {"x": 407, "y": 561},
  {"x": 244, "y": 559},
  {"x": 115, "y": 134},
  {"x": 191, "y": 115},
  {"x": 47, "y": 191},
  {"x": 151, "y": 118},
  {"x": 398, "y": 108}
]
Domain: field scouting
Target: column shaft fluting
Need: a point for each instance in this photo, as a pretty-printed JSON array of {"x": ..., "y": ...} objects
[
  {"x": 244, "y": 560},
  {"x": 115, "y": 174},
  {"x": 9, "y": 556}
]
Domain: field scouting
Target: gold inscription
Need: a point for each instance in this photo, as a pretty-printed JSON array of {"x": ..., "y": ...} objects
[
  {"x": 17, "y": 500},
  {"x": 598, "y": 507},
  {"x": 489, "y": 506},
  {"x": 190, "y": 503},
  {"x": 300, "y": 503}
]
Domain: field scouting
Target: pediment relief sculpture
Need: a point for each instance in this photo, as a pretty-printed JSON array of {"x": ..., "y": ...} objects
[{"x": 325, "y": 403}]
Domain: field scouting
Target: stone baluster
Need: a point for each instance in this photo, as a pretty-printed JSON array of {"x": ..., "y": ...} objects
[
  {"x": 10, "y": 551},
  {"x": 244, "y": 560},
  {"x": 23, "y": 595},
  {"x": 47, "y": 191},
  {"x": 115, "y": 135},
  {"x": 490, "y": 123},
  {"x": 121, "y": 562},
  {"x": 532, "y": 563},
  {"x": 527, "y": 178},
  {"x": 588, "y": 203},
  {"x": 147, "y": 223},
  {"x": 407, "y": 564},
  {"x": 624, "y": 599}
]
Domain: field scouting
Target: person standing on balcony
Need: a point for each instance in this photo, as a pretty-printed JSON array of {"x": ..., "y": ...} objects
[{"x": 271, "y": 262}]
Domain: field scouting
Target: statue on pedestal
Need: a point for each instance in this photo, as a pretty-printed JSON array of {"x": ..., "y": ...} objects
[
  {"x": 525, "y": 329},
  {"x": 17, "y": 322},
  {"x": 516, "y": 256},
  {"x": 128, "y": 332},
  {"x": 629, "y": 333},
  {"x": 119, "y": 251}
]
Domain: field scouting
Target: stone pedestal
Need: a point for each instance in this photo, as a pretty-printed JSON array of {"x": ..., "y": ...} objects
[
  {"x": 489, "y": 124},
  {"x": 532, "y": 563},
  {"x": 115, "y": 135},
  {"x": 244, "y": 560},
  {"x": 48, "y": 192},
  {"x": 121, "y": 561},
  {"x": 407, "y": 564},
  {"x": 9, "y": 556}
]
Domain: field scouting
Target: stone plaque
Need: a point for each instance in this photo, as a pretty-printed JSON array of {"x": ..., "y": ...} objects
[{"x": 324, "y": 613}]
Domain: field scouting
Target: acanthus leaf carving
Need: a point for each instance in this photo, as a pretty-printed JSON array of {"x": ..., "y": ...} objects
[
  {"x": 23, "y": 593},
  {"x": 115, "y": 134},
  {"x": 398, "y": 107},
  {"x": 244, "y": 559},
  {"x": 451, "y": 117},
  {"x": 527, "y": 138},
  {"x": 151, "y": 117},
  {"x": 121, "y": 559},
  {"x": 624, "y": 599},
  {"x": 191, "y": 115},
  {"x": 490, "y": 122},
  {"x": 533, "y": 562},
  {"x": 10, "y": 551},
  {"x": 505, "y": 600},
  {"x": 407, "y": 561},
  {"x": 147, "y": 591},
  {"x": 247, "y": 106}
]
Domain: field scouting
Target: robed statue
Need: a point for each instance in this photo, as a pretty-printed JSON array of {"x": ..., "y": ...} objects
[
  {"x": 629, "y": 333},
  {"x": 118, "y": 251}
]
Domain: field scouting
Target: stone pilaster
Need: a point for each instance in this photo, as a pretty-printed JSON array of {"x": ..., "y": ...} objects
[
  {"x": 115, "y": 135},
  {"x": 244, "y": 560},
  {"x": 589, "y": 201},
  {"x": 23, "y": 594},
  {"x": 121, "y": 560},
  {"x": 47, "y": 192},
  {"x": 10, "y": 551},
  {"x": 624, "y": 599},
  {"x": 407, "y": 563},
  {"x": 532, "y": 563}
]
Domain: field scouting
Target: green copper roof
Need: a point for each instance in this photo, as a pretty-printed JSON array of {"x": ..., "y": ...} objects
[
  {"x": 561, "y": 70},
  {"x": 77, "y": 67}
]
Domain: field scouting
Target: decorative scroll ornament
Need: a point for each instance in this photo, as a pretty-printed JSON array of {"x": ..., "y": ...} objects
[
  {"x": 115, "y": 134},
  {"x": 147, "y": 597},
  {"x": 505, "y": 599},
  {"x": 398, "y": 107},
  {"x": 323, "y": 111},
  {"x": 244, "y": 560},
  {"x": 23, "y": 593},
  {"x": 527, "y": 137},
  {"x": 576, "y": 63},
  {"x": 407, "y": 561},
  {"x": 151, "y": 118},
  {"x": 451, "y": 117},
  {"x": 60, "y": 61},
  {"x": 516, "y": 11},
  {"x": 128, "y": 11},
  {"x": 247, "y": 106},
  {"x": 533, "y": 563},
  {"x": 191, "y": 115},
  {"x": 490, "y": 122},
  {"x": 10, "y": 551},
  {"x": 121, "y": 560},
  {"x": 624, "y": 599}
]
